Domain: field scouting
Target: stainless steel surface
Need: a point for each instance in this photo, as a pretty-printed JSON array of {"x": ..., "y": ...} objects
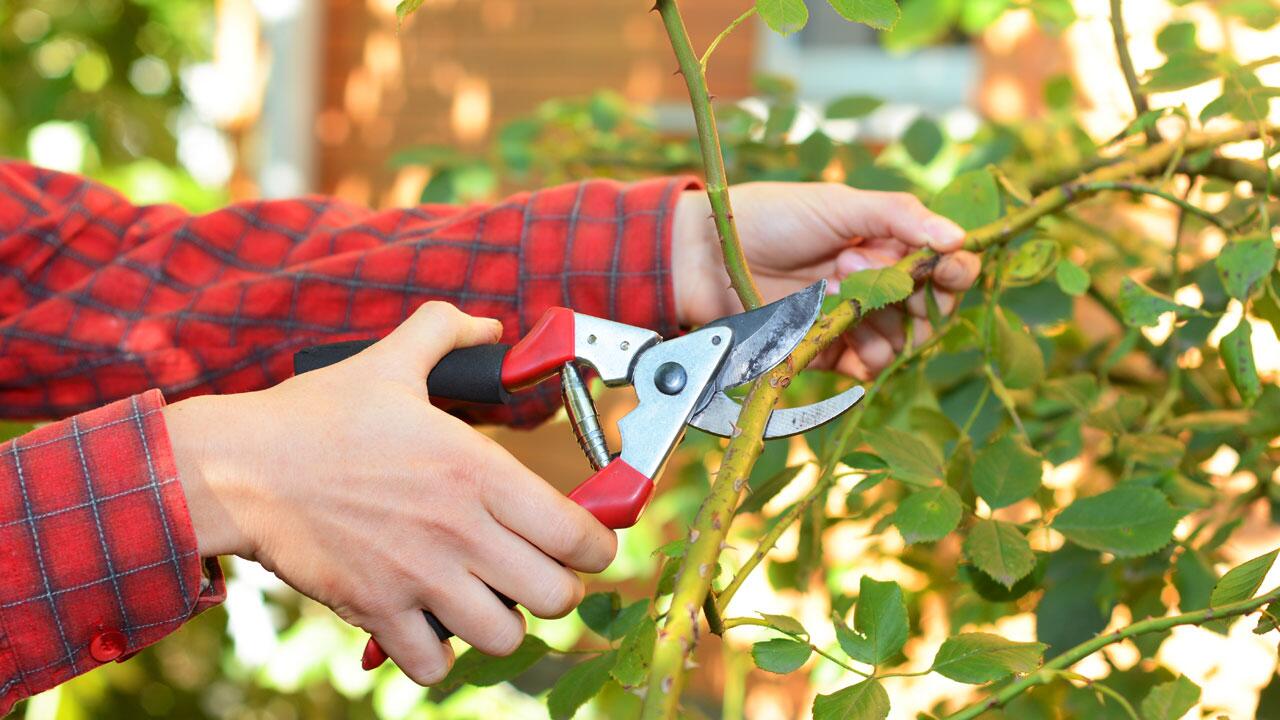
[
  {"x": 764, "y": 337},
  {"x": 582, "y": 416},
  {"x": 610, "y": 347},
  {"x": 720, "y": 414},
  {"x": 655, "y": 426}
]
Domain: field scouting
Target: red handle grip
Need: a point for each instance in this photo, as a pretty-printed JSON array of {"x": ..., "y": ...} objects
[{"x": 615, "y": 495}]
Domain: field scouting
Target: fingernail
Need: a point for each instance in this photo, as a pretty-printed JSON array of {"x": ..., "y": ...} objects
[
  {"x": 373, "y": 656},
  {"x": 944, "y": 235}
]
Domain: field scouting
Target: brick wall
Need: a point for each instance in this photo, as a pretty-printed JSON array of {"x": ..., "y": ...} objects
[{"x": 459, "y": 67}]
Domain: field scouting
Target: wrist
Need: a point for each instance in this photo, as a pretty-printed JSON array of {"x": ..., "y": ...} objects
[
  {"x": 698, "y": 274},
  {"x": 206, "y": 453}
]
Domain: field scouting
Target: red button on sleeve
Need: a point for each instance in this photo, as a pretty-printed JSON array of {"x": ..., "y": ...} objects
[{"x": 107, "y": 645}]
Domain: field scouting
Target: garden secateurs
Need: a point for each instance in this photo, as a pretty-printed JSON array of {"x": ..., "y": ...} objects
[{"x": 678, "y": 382}]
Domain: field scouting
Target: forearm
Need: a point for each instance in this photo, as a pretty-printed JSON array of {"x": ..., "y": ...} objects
[{"x": 219, "y": 303}]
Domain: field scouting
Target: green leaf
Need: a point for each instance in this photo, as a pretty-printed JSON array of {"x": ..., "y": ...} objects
[
  {"x": 1243, "y": 263},
  {"x": 1182, "y": 70},
  {"x": 579, "y": 684},
  {"x": 783, "y": 16},
  {"x": 877, "y": 287},
  {"x": 1018, "y": 358},
  {"x": 635, "y": 654},
  {"x": 911, "y": 460},
  {"x": 1073, "y": 279},
  {"x": 405, "y": 8},
  {"x": 879, "y": 14},
  {"x": 1127, "y": 521},
  {"x": 784, "y": 623},
  {"x": 1171, "y": 700},
  {"x": 1242, "y": 581},
  {"x": 1267, "y": 305},
  {"x": 1006, "y": 471},
  {"x": 922, "y": 139},
  {"x": 1176, "y": 37},
  {"x": 923, "y": 23},
  {"x": 928, "y": 515},
  {"x": 1031, "y": 262},
  {"x": 977, "y": 658},
  {"x": 604, "y": 614},
  {"x": 1000, "y": 550},
  {"x": 1193, "y": 577},
  {"x": 598, "y": 610},
  {"x": 879, "y": 623},
  {"x": 865, "y": 701},
  {"x": 971, "y": 200},
  {"x": 1151, "y": 449},
  {"x": 851, "y": 107},
  {"x": 815, "y": 152},
  {"x": 475, "y": 668},
  {"x": 1268, "y": 620},
  {"x": 1236, "y": 349},
  {"x": 780, "y": 655},
  {"x": 1053, "y": 15},
  {"x": 1141, "y": 306}
]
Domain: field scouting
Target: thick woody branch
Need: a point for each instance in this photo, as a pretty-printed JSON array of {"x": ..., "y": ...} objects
[{"x": 712, "y": 158}]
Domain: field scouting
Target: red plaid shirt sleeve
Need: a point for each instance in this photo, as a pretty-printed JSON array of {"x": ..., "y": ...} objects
[
  {"x": 102, "y": 300},
  {"x": 97, "y": 555}
]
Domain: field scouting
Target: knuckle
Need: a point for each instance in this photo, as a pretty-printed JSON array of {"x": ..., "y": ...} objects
[
  {"x": 561, "y": 596},
  {"x": 907, "y": 200},
  {"x": 430, "y": 672},
  {"x": 505, "y": 637}
]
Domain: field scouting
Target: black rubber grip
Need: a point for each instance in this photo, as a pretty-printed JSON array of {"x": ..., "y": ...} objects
[{"x": 472, "y": 374}]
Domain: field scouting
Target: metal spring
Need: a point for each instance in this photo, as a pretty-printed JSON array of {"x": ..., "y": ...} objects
[{"x": 582, "y": 415}]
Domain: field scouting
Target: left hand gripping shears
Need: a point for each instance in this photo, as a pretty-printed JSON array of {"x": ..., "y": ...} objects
[{"x": 679, "y": 382}]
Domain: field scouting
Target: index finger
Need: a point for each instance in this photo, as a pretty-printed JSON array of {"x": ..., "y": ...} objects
[{"x": 901, "y": 216}]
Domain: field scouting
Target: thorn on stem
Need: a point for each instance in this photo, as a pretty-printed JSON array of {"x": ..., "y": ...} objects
[{"x": 694, "y": 534}]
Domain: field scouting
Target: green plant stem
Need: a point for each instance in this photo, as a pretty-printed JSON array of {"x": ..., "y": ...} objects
[
  {"x": 1140, "y": 105},
  {"x": 724, "y": 34},
  {"x": 712, "y": 157},
  {"x": 1153, "y": 625},
  {"x": 1000, "y": 231},
  {"x": 1006, "y": 399},
  {"x": 825, "y": 478},
  {"x": 678, "y": 635},
  {"x": 1263, "y": 180},
  {"x": 1156, "y": 192},
  {"x": 738, "y": 622}
]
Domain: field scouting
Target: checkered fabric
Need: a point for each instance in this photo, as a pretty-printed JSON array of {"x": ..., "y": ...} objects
[
  {"x": 95, "y": 543},
  {"x": 102, "y": 300}
]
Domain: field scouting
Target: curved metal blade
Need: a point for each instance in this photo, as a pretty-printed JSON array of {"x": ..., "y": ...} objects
[
  {"x": 764, "y": 337},
  {"x": 722, "y": 411}
]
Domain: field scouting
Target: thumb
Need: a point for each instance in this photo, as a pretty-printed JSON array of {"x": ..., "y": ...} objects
[{"x": 433, "y": 330}]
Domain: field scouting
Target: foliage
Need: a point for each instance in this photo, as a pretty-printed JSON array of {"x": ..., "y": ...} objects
[
  {"x": 952, "y": 446},
  {"x": 1055, "y": 365}
]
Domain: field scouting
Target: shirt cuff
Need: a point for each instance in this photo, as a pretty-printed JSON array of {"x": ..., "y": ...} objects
[{"x": 97, "y": 552}]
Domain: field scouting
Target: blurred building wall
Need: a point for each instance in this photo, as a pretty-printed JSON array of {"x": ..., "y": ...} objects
[{"x": 459, "y": 67}]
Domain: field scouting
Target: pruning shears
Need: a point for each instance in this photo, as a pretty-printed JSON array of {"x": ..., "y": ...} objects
[{"x": 679, "y": 382}]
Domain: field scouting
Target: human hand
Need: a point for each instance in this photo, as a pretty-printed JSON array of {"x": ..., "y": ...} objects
[
  {"x": 794, "y": 234},
  {"x": 348, "y": 484}
]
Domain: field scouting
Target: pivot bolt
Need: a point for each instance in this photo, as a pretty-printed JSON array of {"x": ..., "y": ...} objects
[{"x": 670, "y": 378}]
